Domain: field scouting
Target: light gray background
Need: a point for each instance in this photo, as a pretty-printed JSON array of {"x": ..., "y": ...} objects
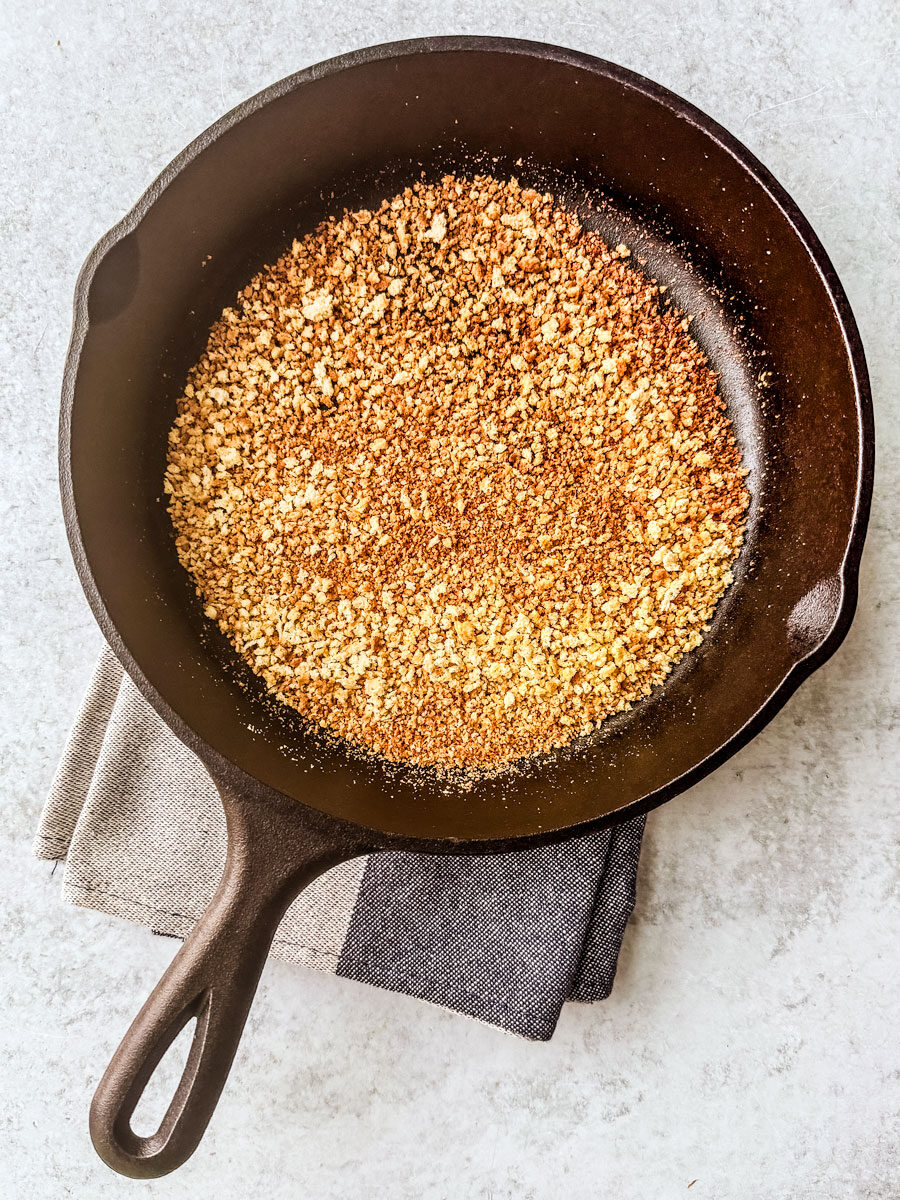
[{"x": 751, "y": 1042}]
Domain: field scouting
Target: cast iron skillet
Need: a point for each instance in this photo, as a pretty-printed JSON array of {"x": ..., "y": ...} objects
[{"x": 640, "y": 165}]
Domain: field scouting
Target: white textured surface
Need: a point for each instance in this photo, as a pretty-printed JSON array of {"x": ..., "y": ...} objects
[{"x": 751, "y": 1041}]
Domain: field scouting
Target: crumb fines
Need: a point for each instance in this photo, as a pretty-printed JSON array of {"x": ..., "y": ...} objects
[{"x": 452, "y": 482}]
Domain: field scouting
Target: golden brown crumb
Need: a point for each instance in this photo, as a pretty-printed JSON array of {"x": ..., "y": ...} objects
[{"x": 450, "y": 480}]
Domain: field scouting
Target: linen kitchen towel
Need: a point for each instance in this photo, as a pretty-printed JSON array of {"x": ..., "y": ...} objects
[{"x": 506, "y": 939}]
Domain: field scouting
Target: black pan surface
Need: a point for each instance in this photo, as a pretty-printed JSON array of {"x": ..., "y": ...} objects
[{"x": 638, "y": 164}]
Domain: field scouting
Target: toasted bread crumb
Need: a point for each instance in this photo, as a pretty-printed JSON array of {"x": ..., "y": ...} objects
[{"x": 452, "y": 482}]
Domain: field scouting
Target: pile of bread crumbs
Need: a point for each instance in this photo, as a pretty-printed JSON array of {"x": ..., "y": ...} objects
[{"x": 452, "y": 481}]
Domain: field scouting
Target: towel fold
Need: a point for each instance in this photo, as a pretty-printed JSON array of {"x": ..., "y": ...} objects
[{"x": 506, "y": 939}]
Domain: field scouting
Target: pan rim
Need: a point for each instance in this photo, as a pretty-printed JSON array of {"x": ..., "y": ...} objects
[{"x": 222, "y": 768}]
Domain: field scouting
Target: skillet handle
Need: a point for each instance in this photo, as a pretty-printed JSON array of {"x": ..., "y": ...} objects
[{"x": 213, "y": 977}]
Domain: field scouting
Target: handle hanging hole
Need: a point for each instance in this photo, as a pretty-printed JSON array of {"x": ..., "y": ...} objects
[{"x": 156, "y": 1097}]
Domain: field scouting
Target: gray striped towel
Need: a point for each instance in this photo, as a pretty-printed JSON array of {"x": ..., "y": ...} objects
[{"x": 505, "y": 939}]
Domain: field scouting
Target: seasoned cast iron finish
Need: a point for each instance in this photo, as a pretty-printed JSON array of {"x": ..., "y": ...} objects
[
  {"x": 639, "y": 165},
  {"x": 213, "y": 978}
]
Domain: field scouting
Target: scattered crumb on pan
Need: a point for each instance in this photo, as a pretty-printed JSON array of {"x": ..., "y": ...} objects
[{"x": 453, "y": 481}]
